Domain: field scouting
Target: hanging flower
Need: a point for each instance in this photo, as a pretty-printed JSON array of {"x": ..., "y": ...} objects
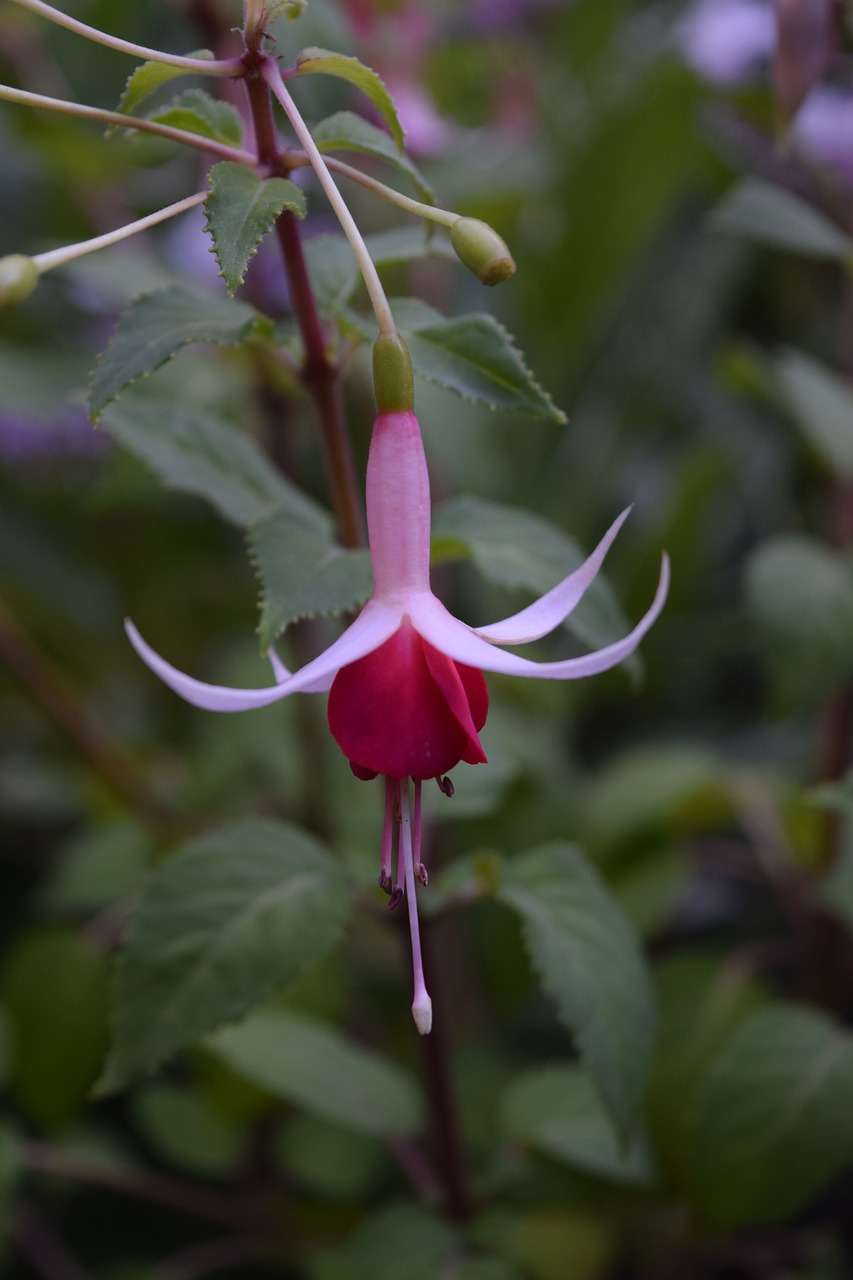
[{"x": 407, "y": 697}]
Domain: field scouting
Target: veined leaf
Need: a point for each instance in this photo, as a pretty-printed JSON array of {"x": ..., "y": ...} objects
[
  {"x": 221, "y": 925},
  {"x": 196, "y": 452},
  {"x": 770, "y": 215},
  {"x": 241, "y": 208},
  {"x": 769, "y": 1127},
  {"x": 313, "y": 1066},
  {"x": 473, "y": 356},
  {"x": 197, "y": 112},
  {"x": 155, "y": 326},
  {"x": 589, "y": 961},
  {"x": 335, "y": 277},
  {"x": 346, "y": 131},
  {"x": 557, "y": 1110},
  {"x": 323, "y": 62},
  {"x": 148, "y": 78},
  {"x": 515, "y": 548},
  {"x": 304, "y": 572}
]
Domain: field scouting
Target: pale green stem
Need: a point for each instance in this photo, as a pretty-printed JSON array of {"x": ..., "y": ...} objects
[
  {"x": 58, "y": 257},
  {"x": 39, "y": 100},
  {"x": 201, "y": 66},
  {"x": 378, "y": 300},
  {"x": 298, "y": 159}
]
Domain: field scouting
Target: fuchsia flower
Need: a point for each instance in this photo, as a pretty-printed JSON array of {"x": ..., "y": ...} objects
[{"x": 407, "y": 697}]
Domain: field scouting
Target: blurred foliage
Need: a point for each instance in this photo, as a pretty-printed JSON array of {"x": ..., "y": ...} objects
[{"x": 683, "y": 294}]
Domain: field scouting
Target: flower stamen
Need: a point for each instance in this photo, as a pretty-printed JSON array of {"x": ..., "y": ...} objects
[{"x": 421, "y": 1003}]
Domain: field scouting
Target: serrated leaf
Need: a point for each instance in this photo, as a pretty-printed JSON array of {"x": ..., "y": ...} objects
[
  {"x": 473, "y": 356},
  {"x": 241, "y": 208},
  {"x": 155, "y": 326},
  {"x": 769, "y": 1128},
  {"x": 770, "y": 215},
  {"x": 148, "y": 78},
  {"x": 197, "y": 112},
  {"x": 589, "y": 961},
  {"x": 334, "y": 272},
  {"x": 801, "y": 595},
  {"x": 304, "y": 572},
  {"x": 323, "y": 62},
  {"x": 515, "y": 548},
  {"x": 196, "y": 452},
  {"x": 346, "y": 131},
  {"x": 557, "y": 1110},
  {"x": 221, "y": 925},
  {"x": 313, "y": 1066},
  {"x": 822, "y": 405}
]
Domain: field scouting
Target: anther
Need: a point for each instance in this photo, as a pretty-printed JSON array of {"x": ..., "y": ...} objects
[
  {"x": 422, "y": 874},
  {"x": 396, "y": 897},
  {"x": 445, "y": 785}
]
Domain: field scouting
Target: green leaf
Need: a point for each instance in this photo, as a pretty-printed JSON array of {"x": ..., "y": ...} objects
[
  {"x": 590, "y": 963},
  {"x": 473, "y": 356},
  {"x": 769, "y": 1131},
  {"x": 148, "y": 78},
  {"x": 241, "y": 208},
  {"x": 557, "y": 1110},
  {"x": 313, "y": 1066},
  {"x": 770, "y": 215},
  {"x": 394, "y": 1241},
  {"x": 186, "y": 1130},
  {"x": 197, "y": 112},
  {"x": 346, "y": 131},
  {"x": 304, "y": 572},
  {"x": 221, "y": 925},
  {"x": 155, "y": 326},
  {"x": 801, "y": 596},
  {"x": 335, "y": 276},
  {"x": 517, "y": 549},
  {"x": 56, "y": 997},
  {"x": 198, "y": 453},
  {"x": 822, "y": 405},
  {"x": 322, "y": 62}
]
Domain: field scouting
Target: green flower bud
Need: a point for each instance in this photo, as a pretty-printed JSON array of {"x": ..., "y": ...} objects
[
  {"x": 481, "y": 250},
  {"x": 18, "y": 277},
  {"x": 393, "y": 382}
]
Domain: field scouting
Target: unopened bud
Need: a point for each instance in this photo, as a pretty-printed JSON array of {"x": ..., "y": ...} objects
[
  {"x": 18, "y": 277},
  {"x": 393, "y": 382},
  {"x": 481, "y": 250}
]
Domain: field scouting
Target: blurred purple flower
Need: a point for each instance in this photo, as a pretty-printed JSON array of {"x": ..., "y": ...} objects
[
  {"x": 725, "y": 41},
  {"x": 32, "y": 441},
  {"x": 822, "y": 130}
]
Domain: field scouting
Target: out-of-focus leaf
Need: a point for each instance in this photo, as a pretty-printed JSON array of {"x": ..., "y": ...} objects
[
  {"x": 241, "y": 208},
  {"x": 303, "y": 572},
  {"x": 331, "y": 1160},
  {"x": 647, "y": 788},
  {"x": 773, "y": 216},
  {"x": 822, "y": 405},
  {"x": 345, "y": 131},
  {"x": 148, "y": 78},
  {"x": 589, "y": 961},
  {"x": 101, "y": 865},
  {"x": 186, "y": 1131},
  {"x": 485, "y": 1269},
  {"x": 322, "y": 62},
  {"x": 473, "y": 356},
  {"x": 197, "y": 112},
  {"x": 198, "y": 453},
  {"x": 221, "y": 925},
  {"x": 399, "y": 1240},
  {"x": 517, "y": 549},
  {"x": 769, "y": 1130},
  {"x": 557, "y": 1110},
  {"x": 56, "y": 998},
  {"x": 313, "y": 1066},
  {"x": 801, "y": 596},
  {"x": 156, "y": 326},
  {"x": 334, "y": 272}
]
